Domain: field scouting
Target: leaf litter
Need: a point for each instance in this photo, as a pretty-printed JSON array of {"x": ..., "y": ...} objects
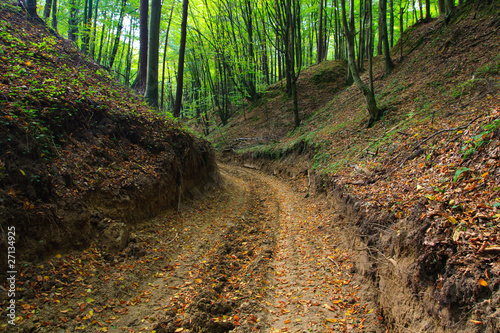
[{"x": 252, "y": 256}]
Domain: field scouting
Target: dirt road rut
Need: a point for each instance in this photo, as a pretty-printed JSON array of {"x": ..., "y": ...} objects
[{"x": 253, "y": 256}]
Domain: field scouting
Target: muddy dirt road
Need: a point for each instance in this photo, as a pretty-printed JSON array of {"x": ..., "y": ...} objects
[{"x": 251, "y": 256}]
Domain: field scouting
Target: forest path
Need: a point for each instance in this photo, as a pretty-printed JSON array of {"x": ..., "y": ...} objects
[{"x": 252, "y": 256}]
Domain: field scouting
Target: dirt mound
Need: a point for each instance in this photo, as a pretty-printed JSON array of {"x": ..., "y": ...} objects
[{"x": 77, "y": 148}]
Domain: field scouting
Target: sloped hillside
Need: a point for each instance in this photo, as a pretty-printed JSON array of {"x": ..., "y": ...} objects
[
  {"x": 79, "y": 153},
  {"x": 418, "y": 193}
]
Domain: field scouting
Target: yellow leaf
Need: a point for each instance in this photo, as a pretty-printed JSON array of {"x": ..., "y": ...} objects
[
  {"x": 452, "y": 219},
  {"x": 328, "y": 307},
  {"x": 58, "y": 256},
  {"x": 333, "y": 320},
  {"x": 483, "y": 282},
  {"x": 180, "y": 329},
  {"x": 23, "y": 173}
]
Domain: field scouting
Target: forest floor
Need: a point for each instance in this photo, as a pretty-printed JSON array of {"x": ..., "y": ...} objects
[{"x": 252, "y": 255}]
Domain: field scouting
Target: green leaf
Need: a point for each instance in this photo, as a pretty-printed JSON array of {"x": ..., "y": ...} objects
[{"x": 459, "y": 172}]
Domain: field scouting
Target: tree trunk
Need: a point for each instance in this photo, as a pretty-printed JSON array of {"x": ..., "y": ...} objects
[
  {"x": 449, "y": 5},
  {"x": 180, "y": 68},
  {"x": 165, "y": 57},
  {"x": 391, "y": 22},
  {"x": 371, "y": 103},
  {"x": 362, "y": 24},
  {"x": 54, "y": 15},
  {"x": 103, "y": 30},
  {"x": 383, "y": 36},
  {"x": 31, "y": 8},
  {"x": 441, "y": 7},
  {"x": 129, "y": 54},
  {"x": 151, "y": 93},
  {"x": 87, "y": 23},
  {"x": 94, "y": 32},
  {"x": 47, "y": 9},
  {"x": 428, "y": 10},
  {"x": 119, "y": 28},
  {"x": 140, "y": 81},
  {"x": 319, "y": 55},
  {"x": 72, "y": 21}
]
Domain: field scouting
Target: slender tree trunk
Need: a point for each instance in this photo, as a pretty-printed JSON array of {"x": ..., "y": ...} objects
[
  {"x": 119, "y": 28},
  {"x": 383, "y": 36},
  {"x": 103, "y": 30},
  {"x": 441, "y": 7},
  {"x": 428, "y": 10},
  {"x": 336, "y": 37},
  {"x": 47, "y": 9},
  {"x": 140, "y": 81},
  {"x": 401, "y": 29},
  {"x": 449, "y": 5},
  {"x": 85, "y": 45},
  {"x": 54, "y": 15},
  {"x": 94, "y": 31},
  {"x": 72, "y": 21},
  {"x": 362, "y": 24},
  {"x": 367, "y": 92},
  {"x": 165, "y": 57},
  {"x": 319, "y": 55},
  {"x": 182, "y": 50},
  {"x": 151, "y": 93},
  {"x": 370, "y": 51},
  {"x": 129, "y": 54},
  {"x": 391, "y": 22}
]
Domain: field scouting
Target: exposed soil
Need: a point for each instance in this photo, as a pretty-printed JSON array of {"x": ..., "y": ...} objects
[
  {"x": 81, "y": 156},
  {"x": 253, "y": 255}
]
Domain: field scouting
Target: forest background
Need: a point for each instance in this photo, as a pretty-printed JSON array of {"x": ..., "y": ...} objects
[{"x": 209, "y": 58}]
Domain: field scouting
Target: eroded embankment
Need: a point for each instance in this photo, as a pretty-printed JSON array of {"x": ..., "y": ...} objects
[{"x": 418, "y": 286}]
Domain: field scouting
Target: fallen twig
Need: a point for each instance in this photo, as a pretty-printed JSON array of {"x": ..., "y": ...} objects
[
  {"x": 418, "y": 144},
  {"x": 173, "y": 240},
  {"x": 338, "y": 266}
]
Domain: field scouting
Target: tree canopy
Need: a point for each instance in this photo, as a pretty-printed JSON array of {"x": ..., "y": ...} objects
[{"x": 234, "y": 49}]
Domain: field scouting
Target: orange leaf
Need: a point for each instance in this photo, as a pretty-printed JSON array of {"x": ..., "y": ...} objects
[{"x": 483, "y": 282}]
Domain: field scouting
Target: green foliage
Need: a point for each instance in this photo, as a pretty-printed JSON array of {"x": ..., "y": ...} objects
[
  {"x": 458, "y": 173},
  {"x": 470, "y": 146}
]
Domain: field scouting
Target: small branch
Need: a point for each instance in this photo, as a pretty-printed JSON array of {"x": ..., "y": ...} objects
[
  {"x": 444, "y": 130},
  {"x": 173, "y": 240},
  {"x": 336, "y": 264}
]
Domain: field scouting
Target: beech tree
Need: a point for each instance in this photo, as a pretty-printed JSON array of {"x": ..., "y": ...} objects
[
  {"x": 182, "y": 51},
  {"x": 151, "y": 94},
  {"x": 368, "y": 93},
  {"x": 140, "y": 81}
]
